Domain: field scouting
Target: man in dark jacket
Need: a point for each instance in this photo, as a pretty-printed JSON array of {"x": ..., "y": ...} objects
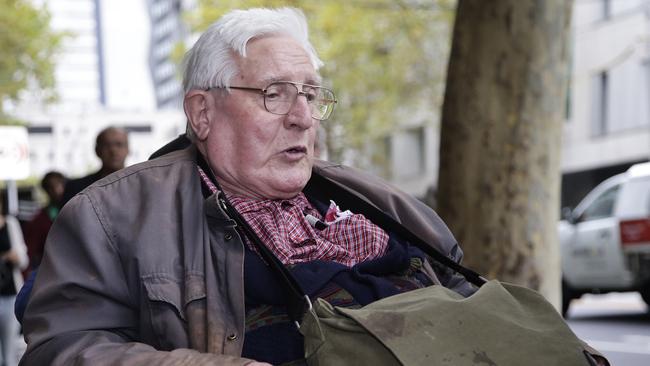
[{"x": 112, "y": 148}]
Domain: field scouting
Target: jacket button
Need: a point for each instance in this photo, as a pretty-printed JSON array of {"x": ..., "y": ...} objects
[
  {"x": 228, "y": 236},
  {"x": 232, "y": 337}
]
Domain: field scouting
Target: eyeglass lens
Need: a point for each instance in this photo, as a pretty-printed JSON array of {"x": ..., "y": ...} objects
[{"x": 280, "y": 97}]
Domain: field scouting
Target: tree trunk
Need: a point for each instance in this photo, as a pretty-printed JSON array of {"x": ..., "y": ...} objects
[{"x": 501, "y": 138}]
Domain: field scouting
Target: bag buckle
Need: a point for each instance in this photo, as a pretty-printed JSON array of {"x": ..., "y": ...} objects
[{"x": 309, "y": 308}]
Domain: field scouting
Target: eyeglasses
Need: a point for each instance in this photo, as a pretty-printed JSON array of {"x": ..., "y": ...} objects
[{"x": 280, "y": 96}]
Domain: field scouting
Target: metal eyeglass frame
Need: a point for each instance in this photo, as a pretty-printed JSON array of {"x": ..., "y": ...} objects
[{"x": 330, "y": 102}]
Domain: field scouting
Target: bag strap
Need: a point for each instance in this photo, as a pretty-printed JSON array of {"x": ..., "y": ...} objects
[
  {"x": 297, "y": 300},
  {"x": 319, "y": 184}
]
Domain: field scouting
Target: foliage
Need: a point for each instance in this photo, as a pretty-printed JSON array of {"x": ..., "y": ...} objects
[
  {"x": 382, "y": 58},
  {"x": 27, "y": 47}
]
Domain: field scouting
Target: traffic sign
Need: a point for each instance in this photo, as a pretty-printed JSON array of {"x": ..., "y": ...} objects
[{"x": 14, "y": 153}]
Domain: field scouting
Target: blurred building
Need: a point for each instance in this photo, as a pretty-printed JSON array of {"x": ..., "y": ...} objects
[
  {"x": 167, "y": 31},
  {"x": 607, "y": 125},
  {"x": 115, "y": 69},
  {"x": 411, "y": 152},
  {"x": 608, "y": 108}
]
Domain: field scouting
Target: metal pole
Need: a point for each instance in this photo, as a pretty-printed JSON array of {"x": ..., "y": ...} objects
[{"x": 12, "y": 198}]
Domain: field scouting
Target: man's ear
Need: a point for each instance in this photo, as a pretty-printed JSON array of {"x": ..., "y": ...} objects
[{"x": 196, "y": 109}]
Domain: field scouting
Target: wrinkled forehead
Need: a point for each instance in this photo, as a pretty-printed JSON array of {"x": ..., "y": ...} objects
[{"x": 276, "y": 57}]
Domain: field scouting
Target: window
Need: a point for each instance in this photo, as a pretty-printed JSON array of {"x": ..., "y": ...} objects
[
  {"x": 39, "y": 130},
  {"x": 606, "y": 7},
  {"x": 408, "y": 153},
  {"x": 143, "y": 128},
  {"x": 602, "y": 206},
  {"x": 599, "y": 103},
  {"x": 635, "y": 200},
  {"x": 567, "y": 102},
  {"x": 568, "y": 105}
]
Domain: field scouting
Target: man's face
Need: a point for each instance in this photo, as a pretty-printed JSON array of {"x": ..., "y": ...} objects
[
  {"x": 251, "y": 151},
  {"x": 112, "y": 150}
]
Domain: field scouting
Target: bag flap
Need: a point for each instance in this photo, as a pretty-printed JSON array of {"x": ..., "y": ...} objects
[{"x": 501, "y": 324}]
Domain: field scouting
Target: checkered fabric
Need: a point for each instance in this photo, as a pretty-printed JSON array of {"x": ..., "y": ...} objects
[{"x": 282, "y": 227}]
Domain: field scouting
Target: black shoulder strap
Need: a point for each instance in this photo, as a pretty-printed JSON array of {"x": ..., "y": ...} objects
[
  {"x": 319, "y": 186},
  {"x": 297, "y": 301}
]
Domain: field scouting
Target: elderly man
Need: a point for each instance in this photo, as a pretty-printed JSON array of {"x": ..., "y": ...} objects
[{"x": 147, "y": 266}]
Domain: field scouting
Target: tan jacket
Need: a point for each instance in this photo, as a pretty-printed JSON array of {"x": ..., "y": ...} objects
[{"x": 140, "y": 269}]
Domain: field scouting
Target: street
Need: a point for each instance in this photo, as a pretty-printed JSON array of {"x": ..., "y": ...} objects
[{"x": 616, "y": 324}]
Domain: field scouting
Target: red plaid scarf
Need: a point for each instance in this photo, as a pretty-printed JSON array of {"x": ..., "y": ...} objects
[{"x": 282, "y": 226}]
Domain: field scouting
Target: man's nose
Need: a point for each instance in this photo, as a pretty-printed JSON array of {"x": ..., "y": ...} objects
[{"x": 300, "y": 114}]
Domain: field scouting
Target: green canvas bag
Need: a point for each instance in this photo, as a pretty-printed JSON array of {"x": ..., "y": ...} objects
[{"x": 501, "y": 324}]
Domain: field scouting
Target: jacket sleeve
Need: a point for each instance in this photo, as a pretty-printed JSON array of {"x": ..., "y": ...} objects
[
  {"x": 81, "y": 312},
  {"x": 17, "y": 242}
]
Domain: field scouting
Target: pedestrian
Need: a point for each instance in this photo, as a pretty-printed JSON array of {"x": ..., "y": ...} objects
[
  {"x": 13, "y": 259},
  {"x": 112, "y": 148},
  {"x": 36, "y": 230}
]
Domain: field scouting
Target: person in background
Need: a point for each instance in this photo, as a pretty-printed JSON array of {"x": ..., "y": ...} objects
[
  {"x": 112, "y": 148},
  {"x": 53, "y": 183},
  {"x": 13, "y": 259},
  {"x": 147, "y": 265}
]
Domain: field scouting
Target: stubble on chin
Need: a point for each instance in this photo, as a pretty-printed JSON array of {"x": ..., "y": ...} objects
[{"x": 289, "y": 184}]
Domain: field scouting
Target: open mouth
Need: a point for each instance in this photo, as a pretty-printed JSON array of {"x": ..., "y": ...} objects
[{"x": 296, "y": 150}]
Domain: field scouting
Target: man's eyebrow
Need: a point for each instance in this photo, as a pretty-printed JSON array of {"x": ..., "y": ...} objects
[
  {"x": 311, "y": 80},
  {"x": 318, "y": 81},
  {"x": 270, "y": 80}
]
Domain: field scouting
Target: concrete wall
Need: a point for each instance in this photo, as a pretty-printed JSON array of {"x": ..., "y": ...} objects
[{"x": 618, "y": 46}]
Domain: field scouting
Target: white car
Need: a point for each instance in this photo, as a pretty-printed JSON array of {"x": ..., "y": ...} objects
[{"x": 605, "y": 240}]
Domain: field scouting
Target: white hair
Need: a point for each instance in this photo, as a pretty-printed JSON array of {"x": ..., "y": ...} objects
[{"x": 211, "y": 62}]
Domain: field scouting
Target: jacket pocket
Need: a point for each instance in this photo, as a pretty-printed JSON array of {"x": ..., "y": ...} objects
[{"x": 166, "y": 301}]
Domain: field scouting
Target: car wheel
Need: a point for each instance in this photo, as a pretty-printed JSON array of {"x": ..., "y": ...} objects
[{"x": 568, "y": 294}]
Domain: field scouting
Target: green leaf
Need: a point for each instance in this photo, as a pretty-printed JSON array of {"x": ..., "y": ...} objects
[{"x": 27, "y": 49}]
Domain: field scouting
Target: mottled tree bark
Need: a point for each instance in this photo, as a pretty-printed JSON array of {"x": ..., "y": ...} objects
[{"x": 501, "y": 138}]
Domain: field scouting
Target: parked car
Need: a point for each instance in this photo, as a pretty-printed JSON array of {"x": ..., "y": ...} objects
[{"x": 605, "y": 240}]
